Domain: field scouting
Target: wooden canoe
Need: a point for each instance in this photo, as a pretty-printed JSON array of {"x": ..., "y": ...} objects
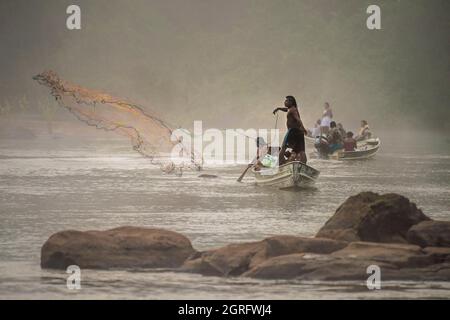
[
  {"x": 291, "y": 174},
  {"x": 366, "y": 149}
]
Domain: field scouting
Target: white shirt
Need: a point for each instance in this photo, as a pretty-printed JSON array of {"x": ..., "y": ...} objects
[{"x": 315, "y": 132}]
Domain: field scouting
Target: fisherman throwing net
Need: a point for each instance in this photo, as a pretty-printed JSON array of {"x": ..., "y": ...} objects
[{"x": 293, "y": 123}]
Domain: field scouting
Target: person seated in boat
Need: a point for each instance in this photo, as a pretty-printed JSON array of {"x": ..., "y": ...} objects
[
  {"x": 349, "y": 142},
  {"x": 267, "y": 156},
  {"x": 293, "y": 121},
  {"x": 315, "y": 132},
  {"x": 364, "y": 131},
  {"x": 270, "y": 160},
  {"x": 261, "y": 148},
  {"x": 335, "y": 140},
  {"x": 341, "y": 130},
  {"x": 321, "y": 144}
]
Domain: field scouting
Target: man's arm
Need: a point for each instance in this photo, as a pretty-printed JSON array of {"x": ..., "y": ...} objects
[{"x": 280, "y": 109}]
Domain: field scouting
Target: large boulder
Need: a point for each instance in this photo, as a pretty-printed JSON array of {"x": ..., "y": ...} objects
[
  {"x": 116, "y": 248},
  {"x": 430, "y": 234},
  {"x": 372, "y": 217},
  {"x": 398, "y": 255},
  {"x": 231, "y": 260},
  {"x": 280, "y": 245},
  {"x": 235, "y": 259},
  {"x": 396, "y": 262},
  {"x": 307, "y": 266}
]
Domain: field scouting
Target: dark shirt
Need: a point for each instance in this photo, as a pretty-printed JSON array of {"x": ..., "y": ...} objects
[
  {"x": 334, "y": 136},
  {"x": 349, "y": 144}
]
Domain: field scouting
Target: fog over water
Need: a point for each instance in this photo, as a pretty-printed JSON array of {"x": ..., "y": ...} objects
[{"x": 229, "y": 63}]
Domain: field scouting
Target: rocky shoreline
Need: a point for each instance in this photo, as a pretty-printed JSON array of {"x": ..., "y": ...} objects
[{"x": 367, "y": 229}]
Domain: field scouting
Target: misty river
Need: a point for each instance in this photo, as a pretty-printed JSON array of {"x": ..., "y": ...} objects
[{"x": 49, "y": 186}]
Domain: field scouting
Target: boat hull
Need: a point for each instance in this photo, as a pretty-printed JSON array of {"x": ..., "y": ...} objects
[
  {"x": 289, "y": 175},
  {"x": 366, "y": 150}
]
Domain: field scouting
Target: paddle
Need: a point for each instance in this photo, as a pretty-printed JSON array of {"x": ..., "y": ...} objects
[{"x": 245, "y": 171}]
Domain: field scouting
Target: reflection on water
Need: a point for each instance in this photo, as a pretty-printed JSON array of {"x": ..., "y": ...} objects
[{"x": 100, "y": 186}]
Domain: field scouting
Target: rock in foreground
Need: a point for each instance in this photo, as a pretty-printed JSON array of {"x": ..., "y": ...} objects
[
  {"x": 372, "y": 217},
  {"x": 430, "y": 234},
  {"x": 396, "y": 262},
  {"x": 367, "y": 229},
  {"x": 235, "y": 259},
  {"x": 124, "y": 247}
]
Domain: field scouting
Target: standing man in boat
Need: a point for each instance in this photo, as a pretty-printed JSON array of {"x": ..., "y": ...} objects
[
  {"x": 293, "y": 120},
  {"x": 327, "y": 115}
]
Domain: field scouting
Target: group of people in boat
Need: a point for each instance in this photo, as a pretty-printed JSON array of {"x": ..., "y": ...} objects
[{"x": 329, "y": 137}]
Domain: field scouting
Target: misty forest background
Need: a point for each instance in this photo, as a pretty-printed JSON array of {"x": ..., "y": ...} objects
[{"x": 229, "y": 63}]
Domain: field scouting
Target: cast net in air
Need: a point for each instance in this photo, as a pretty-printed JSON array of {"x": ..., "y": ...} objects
[{"x": 149, "y": 135}]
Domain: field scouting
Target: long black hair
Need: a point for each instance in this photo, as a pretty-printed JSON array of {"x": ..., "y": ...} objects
[{"x": 292, "y": 99}]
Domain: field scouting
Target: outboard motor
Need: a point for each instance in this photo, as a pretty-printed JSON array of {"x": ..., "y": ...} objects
[{"x": 322, "y": 147}]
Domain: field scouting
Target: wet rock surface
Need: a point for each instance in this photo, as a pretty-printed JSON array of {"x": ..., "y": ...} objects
[
  {"x": 124, "y": 247},
  {"x": 235, "y": 259},
  {"x": 430, "y": 234},
  {"x": 368, "y": 229},
  {"x": 372, "y": 217}
]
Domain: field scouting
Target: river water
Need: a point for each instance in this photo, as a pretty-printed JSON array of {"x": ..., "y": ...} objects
[{"x": 52, "y": 185}]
